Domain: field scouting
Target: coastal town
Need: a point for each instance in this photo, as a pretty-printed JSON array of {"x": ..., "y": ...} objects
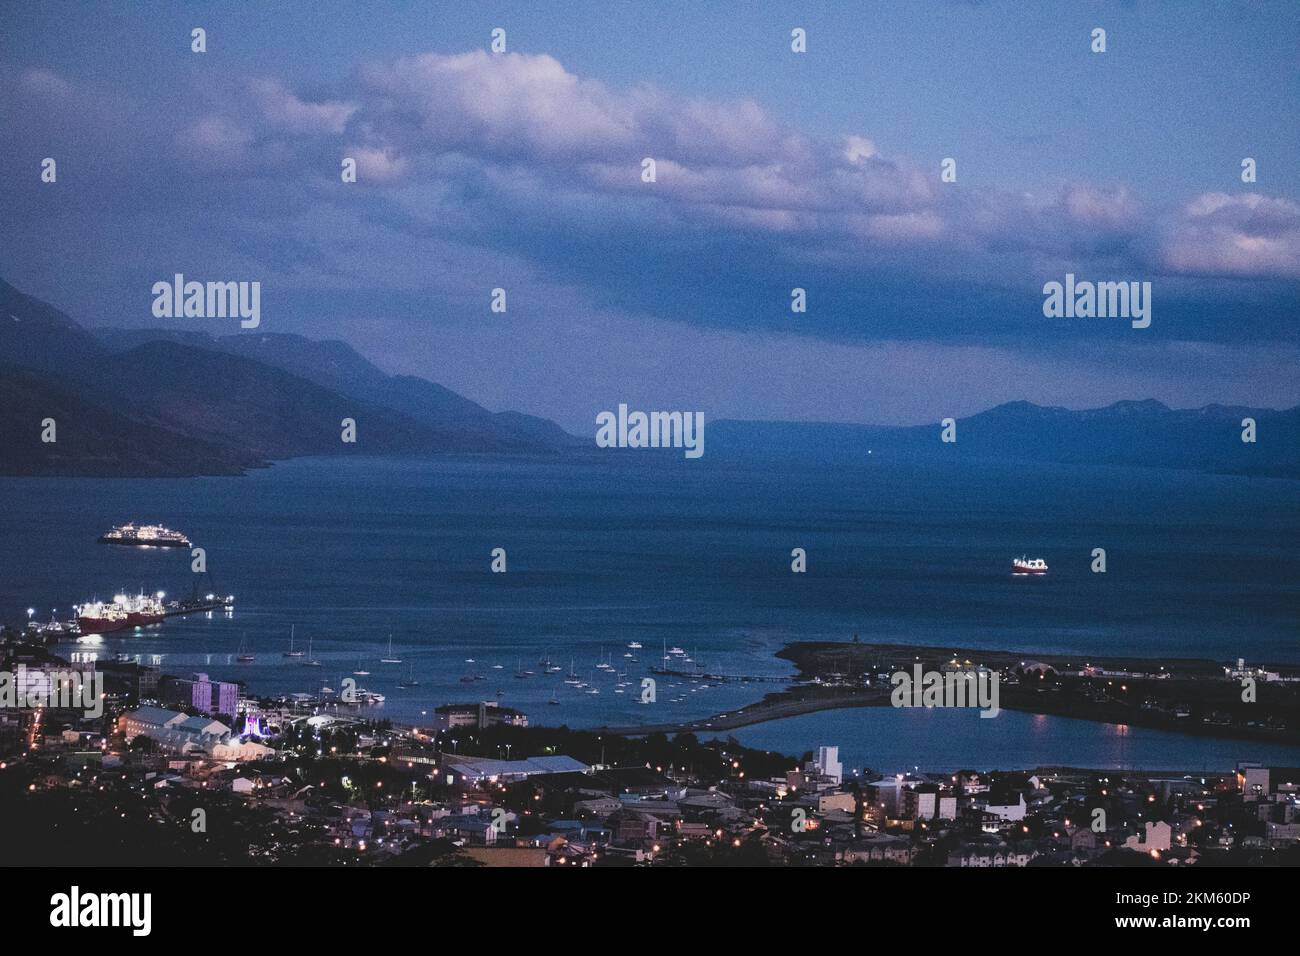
[{"x": 173, "y": 769}]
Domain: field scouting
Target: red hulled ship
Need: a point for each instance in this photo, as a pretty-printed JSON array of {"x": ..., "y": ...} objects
[{"x": 101, "y": 617}]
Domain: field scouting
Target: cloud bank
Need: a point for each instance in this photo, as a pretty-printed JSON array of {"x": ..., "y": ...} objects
[{"x": 478, "y": 170}]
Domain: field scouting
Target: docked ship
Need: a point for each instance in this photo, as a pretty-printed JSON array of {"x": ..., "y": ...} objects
[
  {"x": 145, "y": 536},
  {"x": 143, "y": 609},
  {"x": 98, "y": 617},
  {"x": 103, "y": 617},
  {"x": 1023, "y": 565}
]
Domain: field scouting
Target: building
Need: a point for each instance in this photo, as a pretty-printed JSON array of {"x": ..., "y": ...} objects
[
  {"x": 511, "y": 856},
  {"x": 147, "y": 678},
  {"x": 1156, "y": 837},
  {"x": 878, "y": 848},
  {"x": 1282, "y": 833},
  {"x": 886, "y": 795},
  {"x": 921, "y": 802},
  {"x": 487, "y": 713},
  {"x": 1008, "y": 811},
  {"x": 1254, "y": 781},
  {"x": 982, "y": 855},
  {"x": 201, "y": 693},
  {"x": 826, "y": 802},
  {"x": 475, "y": 771},
  {"x": 173, "y": 730},
  {"x": 636, "y": 826},
  {"x": 828, "y": 764},
  {"x": 601, "y": 806},
  {"x": 239, "y": 751}
]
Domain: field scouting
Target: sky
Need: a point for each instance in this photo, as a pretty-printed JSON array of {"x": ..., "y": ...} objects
[{"x": 775, "y": 170}]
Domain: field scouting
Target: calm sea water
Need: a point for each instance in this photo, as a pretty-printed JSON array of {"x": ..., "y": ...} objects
[
  {"x": 664, "y": 551},
  {"x": 890, "y": 741}
]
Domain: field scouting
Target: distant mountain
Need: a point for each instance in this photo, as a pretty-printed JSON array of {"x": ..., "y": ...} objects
[
  {"x": 95, "y": 440},
  {"x": 179, "y": 403},
  {"x": 38, "y": 336},
  {"x": 164, "y": 402},
  {"x": 1141, "y": 433},
  {"x": 235, "y": 402},
  {"x": 335, "y": 365}
]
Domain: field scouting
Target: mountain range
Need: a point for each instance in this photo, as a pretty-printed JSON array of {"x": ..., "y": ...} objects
[
  {"x": 167, "y": 403},
  {"x": 1132, "y": 433},
  {"x": 161, "y": 402}
]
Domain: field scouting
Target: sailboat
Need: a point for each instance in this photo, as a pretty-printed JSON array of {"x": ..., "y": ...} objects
[
  {"x": 554, "y": 701},
  {"x": 390, "y": 659},
  {"x": 244, "y": 657},
  {"x": 520, "y": 673},
  {"x": 310, "y": 661},
  {"x": 291, "y": 652},
  {"x": 410, "y": 679},
  {"x": 361, "y": 670}
]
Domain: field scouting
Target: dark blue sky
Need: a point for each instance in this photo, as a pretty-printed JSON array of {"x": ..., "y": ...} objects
[{"x": 775, "y": 170}]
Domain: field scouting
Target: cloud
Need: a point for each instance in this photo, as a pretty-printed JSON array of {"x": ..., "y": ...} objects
[
  {"x": 45, "y": 83},
  {"x": 516, "y": 166},
  {"x": 730, "y": 166},
  {"x": 282, "y": 108},
  {"x": 215, "y": 141},
  {"x": 377, "y": 165},
  {"x": 1243, "y": 235},
  {"x": 509, "y": 106},
  {"x": 527, "y": 109},
  {"x": 507, "y": 135},
  {"x": 1114, "y": 208}
]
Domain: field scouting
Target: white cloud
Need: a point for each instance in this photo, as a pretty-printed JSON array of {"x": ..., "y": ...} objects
[
  {"x": 214, "y": 140},
  {"x": 284, "y": 109},
  {"x": 45, "y": 82},
  {"x": 1247, "y": 234}
]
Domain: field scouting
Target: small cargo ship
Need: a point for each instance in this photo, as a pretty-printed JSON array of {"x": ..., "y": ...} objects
[
  {"x": 145, "y": 536},
  {"x": 1023, "y": 565},
  {"x": 98, "y": 617},
  {"x": 102, "y": 617},
  {"x": 143, "y": 609}
]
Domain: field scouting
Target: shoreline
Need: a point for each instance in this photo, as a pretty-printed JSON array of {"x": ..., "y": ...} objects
[
  {"x": 775, "y": 706},
  {"x": 1200, "y": 679}
]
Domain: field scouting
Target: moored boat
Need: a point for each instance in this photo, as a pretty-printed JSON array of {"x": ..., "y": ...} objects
[{"x": 99, "y": 617}]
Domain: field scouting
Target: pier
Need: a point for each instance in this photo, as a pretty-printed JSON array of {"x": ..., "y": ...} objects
[
  {"x": 774, "y": 707},
  {"x": 719, "y": 678}
]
